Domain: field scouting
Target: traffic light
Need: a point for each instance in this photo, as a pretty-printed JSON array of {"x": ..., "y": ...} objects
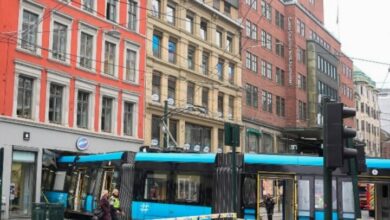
[
  {"x": 232, "y": 134},
  {"x": 336, "y": 135},
  {"x": 361, "y": 158}
]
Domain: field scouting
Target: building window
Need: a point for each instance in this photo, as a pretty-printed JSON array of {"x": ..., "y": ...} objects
[
  {"x": 205, "y": 63},
  {"x": 217, "y": 4},
  {"x": 172, "y": 89},
  {"x": 279, "y": 19},
  {"x": 280, "y": 106},
  {"x": 251, "y": 95},
  {"x": 252, "y": 4},
  {"x": 106, "y": 117},
  {"x": 82, "y": 109},
  {"x": 88, "y": 5},
  {"x": 220, "y": 104},
  {"x": 251, "y": 30},
  {"x": 132, "y": 14},
  {"x": 131, "y": 60},
  {"x": 279, "y": 76},
  {"x": 218, "y": 38},
  {"x": 190, "y": 22},
  {"x": 302, "y": 110},
  {"x": 25, "y": 97},
  {"x": 173, "y": 130},
  {"x": 300, "y": 28},
  {"x": 267, "y": 101},
  {"x": 266, "y": 40},
  {"x": 86, "y": 50},
  {"x": 59, "y": 41},
  {"x": 231, "y": 73},
  {"x": 55, "y": 103},
  {"x": 191, "y": 57},
  {"x": 171, "y": 14},
  {"x": 251, "y": 61},
  {"x": 172, "y": 50},
  {"x": 279, "y": 48},
  {"x": 220, "y": 69},
  {"x": 229, "y": 43},
  {"x": 301, "y": 81},
  {"x": 156, "y": 87},
  {"x": 227, "y": 7},
  {"x": 157, "y": 45},
  {"x": 221, "y": 140},
  {"x": 253, "y": 144},
  {"x": 190, "y": 93},
  {"x": 111, "y": 10},
  {"x": 205, "y": 98},
  {"x": 231, "y": 108},
  {"x": 266, "y": 10},
  {"x": 29, "y": 31},
  {"x": 266, "y": 69},
  {"x": 156, "y": 8},
  {"x": 156, "y": 130},
  {"x": 128, "y": 120},
  {"x": 203, "y": 30},
  {"x": 198, "y": 137},
  {"x": 109, "y": 58},
  {"x": 301, "y": 55}
]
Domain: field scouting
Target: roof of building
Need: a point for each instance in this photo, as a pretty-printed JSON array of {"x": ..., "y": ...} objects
[{"x": 360, "y": 76}]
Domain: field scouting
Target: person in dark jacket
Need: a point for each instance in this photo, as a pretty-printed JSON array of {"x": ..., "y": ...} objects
[
  {"x": 115, "y": 205},
  {"x": 269, "y": 206},
  {"x": 105, "y": 206}
]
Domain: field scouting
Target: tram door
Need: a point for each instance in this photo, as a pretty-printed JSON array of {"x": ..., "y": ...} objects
[
  {"x": 77, "y": 189},
  {"x": 276, "y": 196},
  {"x": 383, "y": 201}
]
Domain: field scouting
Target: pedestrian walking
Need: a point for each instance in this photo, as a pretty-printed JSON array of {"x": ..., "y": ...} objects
[
  {"x": 269, "y": 206},
  {"x": 105, "y": 206},
  {"x": 115, "y": 205}
]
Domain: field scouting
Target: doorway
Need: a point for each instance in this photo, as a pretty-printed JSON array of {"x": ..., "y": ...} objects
[
  {"x": 22, "y": 186},
  {"x": 276, "y": 196}
]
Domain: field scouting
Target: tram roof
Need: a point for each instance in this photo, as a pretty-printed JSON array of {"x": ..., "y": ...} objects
[
  {"x": 176, "y": 157},
  {"x": 297, "y": 160},
  {"x": 91, "y": 158}
]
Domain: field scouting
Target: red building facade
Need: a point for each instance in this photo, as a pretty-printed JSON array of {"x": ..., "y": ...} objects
[
  {"x": 290, "y": 60},
  {"x": 69, "y": 69}
]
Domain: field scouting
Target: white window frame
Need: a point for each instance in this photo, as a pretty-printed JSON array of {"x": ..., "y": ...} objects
[
  {"x": 114, "y": 95},
  {"x": 83, "y": 85},
  {"x": 64, "y": 20},
  {"x": 134, "y": 99},
  {"x": 24, "y": 69},
  {"x": 91, "y": 31},
  {"x": 131, "y": 46},
  {"x": 137, "y": 18},
  {"x": 37, "y": 9},
  {"x": 93, "y": 9},
  {"x": 114, "y": 40},
  {"x": 64, "y": 80},
  {"x": 117, "y": 11}
]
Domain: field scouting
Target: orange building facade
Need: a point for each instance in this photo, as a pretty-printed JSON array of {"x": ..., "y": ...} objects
[{"x": 71, "y": 79}]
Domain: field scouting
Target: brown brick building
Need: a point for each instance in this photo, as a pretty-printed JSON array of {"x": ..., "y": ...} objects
[{"x": 289, "y": 62}]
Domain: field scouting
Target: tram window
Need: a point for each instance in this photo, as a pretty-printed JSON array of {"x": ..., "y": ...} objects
[
  {"x": 319, "y": 194},
  {"x": 347, "y": 193},
  {"x": 385, "y": 191},
  {"x": 249, "y": 196},
  {"x": 187, "y": 188},
  {"x": 156, "y": 187},
  {"x": 59, "y": 181},
  {"x": 304, "y": 195}
]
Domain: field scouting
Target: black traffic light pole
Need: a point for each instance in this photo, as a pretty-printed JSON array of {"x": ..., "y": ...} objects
[
  {"x": 327, "y": 171},
  {"x": 354, "y": 174}
]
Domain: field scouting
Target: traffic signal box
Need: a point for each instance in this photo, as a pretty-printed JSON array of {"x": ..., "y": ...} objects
[{"x": 336, "y": 135}]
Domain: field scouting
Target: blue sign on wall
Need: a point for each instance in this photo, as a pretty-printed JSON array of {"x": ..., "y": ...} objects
[{"x": 82, "y": 143}]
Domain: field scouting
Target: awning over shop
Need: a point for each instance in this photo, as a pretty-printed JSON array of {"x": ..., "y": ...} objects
[{"x": 253, "y": 131}]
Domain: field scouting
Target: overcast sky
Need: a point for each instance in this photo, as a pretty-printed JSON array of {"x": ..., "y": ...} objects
[{"x": 364, "y": 32}]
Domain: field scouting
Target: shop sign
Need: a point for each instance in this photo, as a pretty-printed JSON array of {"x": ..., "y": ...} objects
[{"x": 82, "y": 143}]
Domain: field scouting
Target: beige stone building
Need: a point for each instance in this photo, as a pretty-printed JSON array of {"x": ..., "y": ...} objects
[
  {"x": 193, "y": 63},
  {"x": 367, "y": 113}
]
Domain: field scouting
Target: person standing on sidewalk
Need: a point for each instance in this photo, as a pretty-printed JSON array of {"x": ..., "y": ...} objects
[
  {"x": 269, "y": 205},
  {"x": 105, "y": 206},
  {"x": 115, "y": 205}
]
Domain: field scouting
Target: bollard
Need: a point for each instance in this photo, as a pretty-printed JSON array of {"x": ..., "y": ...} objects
[
  {"x": 38, "y": 211},
  {"x": 55, "y": 211}
]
